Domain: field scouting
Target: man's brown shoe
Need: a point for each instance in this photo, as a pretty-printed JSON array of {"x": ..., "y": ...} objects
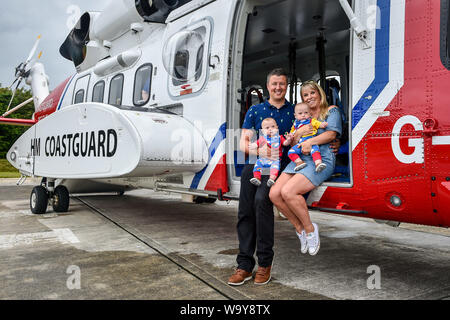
[
  {"x": 263, "y": 275},
  {"x": 239, "y": 277}
]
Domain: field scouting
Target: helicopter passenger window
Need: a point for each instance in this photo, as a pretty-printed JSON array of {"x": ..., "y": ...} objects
[
  {"x": 142, "y": 85},
  {"x": 98, "y": 92},
  {"x": 186, "y": 58},
  {"x": 79, "y": 96},
  {"x": 192, "y": 44},
  {"x": 115, "y": 90}
]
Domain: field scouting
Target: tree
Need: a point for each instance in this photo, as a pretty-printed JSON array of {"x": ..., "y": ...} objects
[{"x": 10, "y": 133}]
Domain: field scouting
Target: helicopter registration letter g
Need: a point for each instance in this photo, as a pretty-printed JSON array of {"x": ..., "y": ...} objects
[{"x": 416, "y": 143}]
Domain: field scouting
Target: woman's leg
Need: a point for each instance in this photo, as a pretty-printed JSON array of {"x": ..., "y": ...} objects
[
  {"x": 278, "y": 201},
  {"x": 292, "y": 193}
]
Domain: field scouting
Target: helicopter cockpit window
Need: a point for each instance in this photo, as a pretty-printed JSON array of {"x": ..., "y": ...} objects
[
  {"x": 98, "y": 92},
  {"x": 185, "y": 58},
  {"x": 115, "y": 90},
  {"x": 142, "y": 85},
  {"x": 79, "y": 96}
]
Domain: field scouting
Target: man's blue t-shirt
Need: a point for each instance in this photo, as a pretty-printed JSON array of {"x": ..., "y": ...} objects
[{"x": 257, "y": 113}]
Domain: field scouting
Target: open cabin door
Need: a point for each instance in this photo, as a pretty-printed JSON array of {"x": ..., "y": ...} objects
[{"x": 262, "y": 41}]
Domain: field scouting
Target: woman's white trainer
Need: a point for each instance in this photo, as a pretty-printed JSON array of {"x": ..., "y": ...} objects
[
  {"x": 313, "y": 241},
  {"x": 303, "y": 244}
]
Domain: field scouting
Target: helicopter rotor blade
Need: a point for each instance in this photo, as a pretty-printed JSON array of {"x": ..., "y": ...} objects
[
  {"x": 23, "y": 70},
  {"x": 33, "y": 50},
  {"x": 27, "y": 66}
]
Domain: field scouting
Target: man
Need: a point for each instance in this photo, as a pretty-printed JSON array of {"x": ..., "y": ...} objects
[{"x": 255, "y": 225}]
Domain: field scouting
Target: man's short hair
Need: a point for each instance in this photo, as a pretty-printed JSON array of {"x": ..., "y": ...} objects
[{"x": 277, "y": 72}]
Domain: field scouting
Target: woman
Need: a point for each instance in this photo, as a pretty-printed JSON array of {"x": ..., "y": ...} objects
[{"x": 287, "y": 193}]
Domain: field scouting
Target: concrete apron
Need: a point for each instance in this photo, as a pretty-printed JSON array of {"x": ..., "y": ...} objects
[{"x": 83, "y": 255}]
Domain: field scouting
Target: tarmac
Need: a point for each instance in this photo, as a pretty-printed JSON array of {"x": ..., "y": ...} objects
[{"x": 153, "y": 246}]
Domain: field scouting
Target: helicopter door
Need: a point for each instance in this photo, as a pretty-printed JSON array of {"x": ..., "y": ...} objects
[{"x": 195, "y": 59}]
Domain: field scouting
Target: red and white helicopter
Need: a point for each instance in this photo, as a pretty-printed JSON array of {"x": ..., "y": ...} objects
[{"x": 162, "y": 86}]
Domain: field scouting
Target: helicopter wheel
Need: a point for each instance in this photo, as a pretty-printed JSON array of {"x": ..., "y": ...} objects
[
  {"x": 61, "y": 199},
  {"x": 199, "y": 200},
  {"x": 39, "y": 200},
  {"x": 210, "y": 200}
]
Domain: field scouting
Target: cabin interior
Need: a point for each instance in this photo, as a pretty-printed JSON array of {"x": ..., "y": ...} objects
[{"x": 309, "y": 39}]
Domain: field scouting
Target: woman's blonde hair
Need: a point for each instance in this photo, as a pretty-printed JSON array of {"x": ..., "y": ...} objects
[{"x": 323, "y": 113}]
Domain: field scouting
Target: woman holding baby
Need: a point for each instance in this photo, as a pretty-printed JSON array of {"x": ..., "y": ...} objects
[{"x": 291, "y": 185}]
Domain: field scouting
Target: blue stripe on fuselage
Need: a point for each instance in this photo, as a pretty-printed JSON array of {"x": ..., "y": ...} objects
[
  {"x": 65, "y": 91},
  {"x": 220, "y": 136},
  {"x": 381, "y": 64}
]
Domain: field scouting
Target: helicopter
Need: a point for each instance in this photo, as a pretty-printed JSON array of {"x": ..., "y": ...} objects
[{"x": 161, "y": 89}]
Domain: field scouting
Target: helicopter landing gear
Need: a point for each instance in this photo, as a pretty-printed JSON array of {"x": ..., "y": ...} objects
[
  {"x": 199, "y": 200},
  {"x": 39, "y": 200},
  {"x": 46, "y": 192},
  {"x": 61, "y": 199}
]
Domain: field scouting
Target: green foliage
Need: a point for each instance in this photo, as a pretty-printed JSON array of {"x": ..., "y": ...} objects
[
  {"x": 7, "y": 170},
  {"x": 10, "y": 133},
  {"x": 5, "y": 166}
]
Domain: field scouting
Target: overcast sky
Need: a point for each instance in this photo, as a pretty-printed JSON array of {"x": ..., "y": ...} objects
[{"x": 21, "y": 21}]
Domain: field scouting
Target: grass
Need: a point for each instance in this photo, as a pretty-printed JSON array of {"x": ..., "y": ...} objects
[{"x": 7, "y": 170}]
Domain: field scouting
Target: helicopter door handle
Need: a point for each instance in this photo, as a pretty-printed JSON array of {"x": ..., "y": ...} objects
[
  {"x": 429, "y": 126},
  {"x": 214, "y": 61}
]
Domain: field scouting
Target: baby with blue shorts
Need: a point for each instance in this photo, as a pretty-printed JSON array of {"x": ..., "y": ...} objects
[{"x": 302, "y": 115}]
